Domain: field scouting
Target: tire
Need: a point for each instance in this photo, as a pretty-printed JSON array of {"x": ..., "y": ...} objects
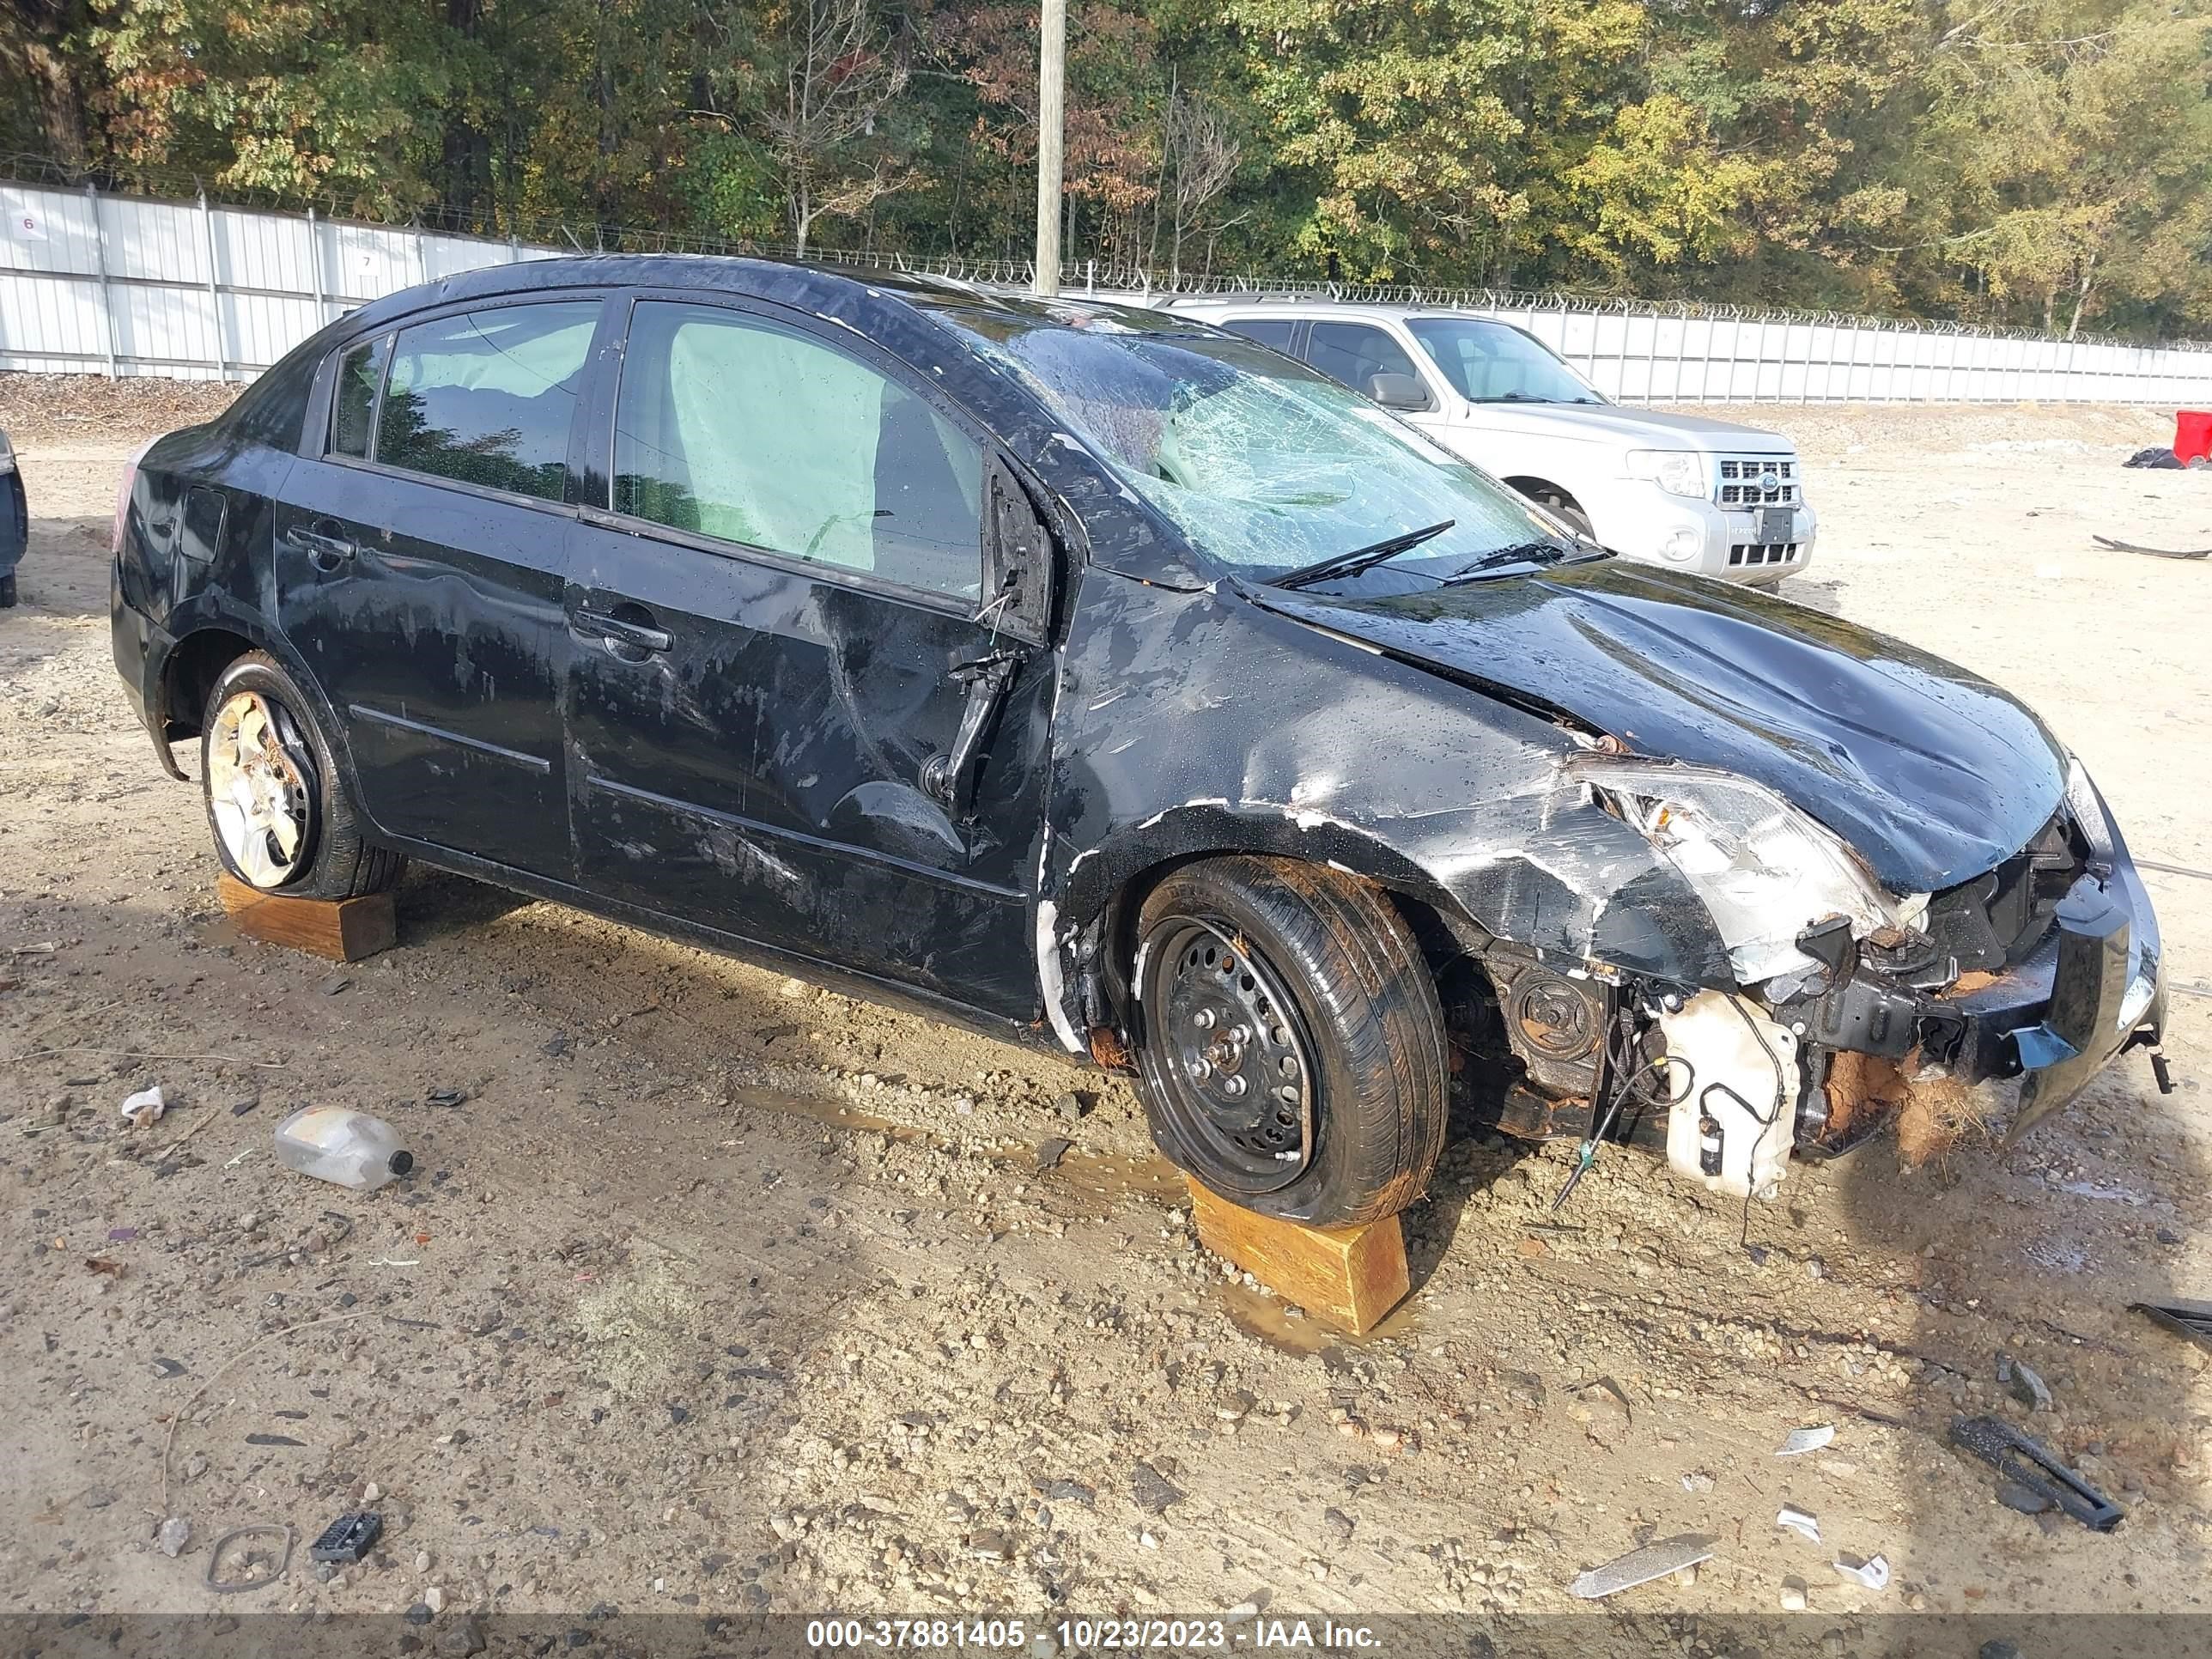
[
  {"x": 1564, "y": 506},
  {"x": 279, "y": 815},
  {"x": 1342, "y": 1110}
]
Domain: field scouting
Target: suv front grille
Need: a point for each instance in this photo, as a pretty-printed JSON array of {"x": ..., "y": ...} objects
[
  {"x": 1744, "y": 481},
  {"x": 1750, "y": 553}
]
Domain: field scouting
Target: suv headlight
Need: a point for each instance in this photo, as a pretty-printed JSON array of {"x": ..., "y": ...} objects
[
  {"x": 1765, "y": 870},
  {"x": 1677, "y": 472}
]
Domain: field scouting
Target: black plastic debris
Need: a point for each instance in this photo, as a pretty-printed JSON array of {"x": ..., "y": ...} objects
[
  {"x": 2158, "y": 458},
  {"x": 2191, "y": 1319},
  {"x": 349, "y": 1538},
  {"x": 2028, "y": 1465}
]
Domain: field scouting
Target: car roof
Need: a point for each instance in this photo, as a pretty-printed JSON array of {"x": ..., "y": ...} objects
[
  {"x": 843, "y": 292},
  {"x": 1297, "y": 306}
]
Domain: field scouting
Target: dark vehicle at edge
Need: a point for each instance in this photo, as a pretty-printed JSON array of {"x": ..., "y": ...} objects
[{"x": 1106, "y": 681}]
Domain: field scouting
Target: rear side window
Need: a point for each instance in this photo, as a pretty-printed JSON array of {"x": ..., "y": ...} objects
[
  {"x": 352, "y": 406},
  {"x": 1353, "y": 354},
  {"x": 488, "y": 397},
  {"x": 732, "y": 426},
  {"x": 1268, "y": 330}
]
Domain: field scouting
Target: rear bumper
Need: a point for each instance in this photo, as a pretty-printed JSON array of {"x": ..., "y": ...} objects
[{"x": 141, "y": 648}]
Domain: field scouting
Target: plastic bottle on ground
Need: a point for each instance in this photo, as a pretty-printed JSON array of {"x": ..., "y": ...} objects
[{"x": 339, "y": 1145}]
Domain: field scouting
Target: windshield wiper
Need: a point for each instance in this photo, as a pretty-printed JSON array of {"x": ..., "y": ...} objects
[
  {"x": 1514, "y": 397},
  {"x": 1360, "y": 558},
  {"x": 1519, "y": 553}
]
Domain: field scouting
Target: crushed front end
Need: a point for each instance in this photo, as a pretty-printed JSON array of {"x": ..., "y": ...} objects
[{"x": 1977, "y": 1009}]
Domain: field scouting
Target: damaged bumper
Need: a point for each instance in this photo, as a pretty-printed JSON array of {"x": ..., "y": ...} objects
[
  {"x": 2006, "y": 1047},
  {"x": 2091, "y": 991}
]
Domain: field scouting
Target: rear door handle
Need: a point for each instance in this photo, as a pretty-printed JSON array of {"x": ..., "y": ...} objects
[
  {"x": 326, "y": 550},
  {"x": 641, "y": 637}
]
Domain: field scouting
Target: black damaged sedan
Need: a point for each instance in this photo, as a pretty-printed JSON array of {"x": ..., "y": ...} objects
[{"x": 1108, "y": 681}]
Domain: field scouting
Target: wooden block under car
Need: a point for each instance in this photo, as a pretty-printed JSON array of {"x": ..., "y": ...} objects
[
  {"x": 1348, "y": 1276},
  {"x": 342, "y": 930}
]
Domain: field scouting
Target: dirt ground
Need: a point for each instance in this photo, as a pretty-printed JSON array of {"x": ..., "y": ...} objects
[{"x": 715, "y": 1293}]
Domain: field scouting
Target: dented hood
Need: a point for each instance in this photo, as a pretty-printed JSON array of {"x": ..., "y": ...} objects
[{"x": 1932, "y": 773}]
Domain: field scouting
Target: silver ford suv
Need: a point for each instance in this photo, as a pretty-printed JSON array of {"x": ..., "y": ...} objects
[{"x": 1682, "y": 490}]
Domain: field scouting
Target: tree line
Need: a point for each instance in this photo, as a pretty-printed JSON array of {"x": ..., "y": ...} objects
[{"x": 2039, "y": 163}]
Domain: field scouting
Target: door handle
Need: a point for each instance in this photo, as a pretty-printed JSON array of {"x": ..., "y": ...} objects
[
  {"x": 949, "y": 778},
  {"x": 619, "y": 631},
  {"x": 326, "y": 550}
]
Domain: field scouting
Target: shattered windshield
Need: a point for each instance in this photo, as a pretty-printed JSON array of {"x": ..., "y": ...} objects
[
  {"x": 1263, "y": 464},
  {"x": 1496, "y": 363}
]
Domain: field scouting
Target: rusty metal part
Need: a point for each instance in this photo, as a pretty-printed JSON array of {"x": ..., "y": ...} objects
[{"x": 1108, "y": 1049}]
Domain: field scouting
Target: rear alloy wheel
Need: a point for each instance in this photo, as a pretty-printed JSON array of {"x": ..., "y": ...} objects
[
  {"x": 281, "y": 819},
  {"x": 258, "y": 793},
  {"x": 1290, "y": 1046}
]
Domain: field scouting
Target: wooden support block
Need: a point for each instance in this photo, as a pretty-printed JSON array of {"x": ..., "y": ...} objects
[
  {"x": 1348, "y": 1276},
  {"x": 342, "y": 929}
]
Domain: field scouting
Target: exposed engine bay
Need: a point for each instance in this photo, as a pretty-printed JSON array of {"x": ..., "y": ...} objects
[{"x": 1971, "y": 1012}]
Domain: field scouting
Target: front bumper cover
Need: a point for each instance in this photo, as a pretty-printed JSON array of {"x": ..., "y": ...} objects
[{"x": 2090, "y": 990}]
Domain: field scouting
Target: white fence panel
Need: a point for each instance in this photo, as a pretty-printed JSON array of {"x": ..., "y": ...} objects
[{"x": 122, "y": 285}]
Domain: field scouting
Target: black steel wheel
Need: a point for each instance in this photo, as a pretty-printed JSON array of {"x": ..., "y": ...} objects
[
  {"x": 1233, "y": 1053},
  {"x": 1290, "y": 1047}
]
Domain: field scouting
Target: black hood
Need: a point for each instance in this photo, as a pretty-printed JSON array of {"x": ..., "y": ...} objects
[{"x": 1933, "y": 773}]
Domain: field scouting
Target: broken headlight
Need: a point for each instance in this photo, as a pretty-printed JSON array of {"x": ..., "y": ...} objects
[{"x": 1765, "y": 870}]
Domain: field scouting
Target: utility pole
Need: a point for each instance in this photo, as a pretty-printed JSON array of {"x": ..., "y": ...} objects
[{"x": 1052, "y": 102}]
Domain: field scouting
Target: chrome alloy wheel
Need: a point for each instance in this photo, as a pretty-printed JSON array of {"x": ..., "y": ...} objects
[{"x": 257, "y": 793}]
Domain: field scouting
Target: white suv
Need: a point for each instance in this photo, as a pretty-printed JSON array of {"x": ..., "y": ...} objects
[{"x": 1674, "y": 489}]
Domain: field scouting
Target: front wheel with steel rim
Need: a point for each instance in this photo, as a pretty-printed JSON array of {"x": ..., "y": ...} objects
[
  {"x": 280, "y": 816},
  {"x": 1290, "y": 1046}
]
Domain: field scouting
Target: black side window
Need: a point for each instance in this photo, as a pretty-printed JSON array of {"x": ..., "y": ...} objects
[
  {"x": 352, "y": 406},
  {"x": 488, "y": 397},
  {"x": 1353, "y": 354},
  {"x": 1268, "y": 331}
]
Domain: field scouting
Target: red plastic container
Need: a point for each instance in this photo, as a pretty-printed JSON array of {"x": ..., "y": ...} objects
[{"x": 2193, "y": 434}]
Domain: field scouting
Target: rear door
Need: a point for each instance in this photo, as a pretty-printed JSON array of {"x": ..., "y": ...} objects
[
  {"x": 778, "y": 647},
  {"x": 419, "y": 571}
]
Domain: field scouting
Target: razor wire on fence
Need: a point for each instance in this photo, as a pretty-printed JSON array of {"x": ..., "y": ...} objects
[{"x": 92, "y": 281}]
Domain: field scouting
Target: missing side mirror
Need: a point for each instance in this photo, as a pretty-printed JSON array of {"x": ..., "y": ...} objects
[{"x": 1017, "y": 563}]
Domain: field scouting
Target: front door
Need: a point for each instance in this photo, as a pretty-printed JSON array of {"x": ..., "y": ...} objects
[
  {"x": 418, "y": 568},
  {"x": 776, "y": 639}
]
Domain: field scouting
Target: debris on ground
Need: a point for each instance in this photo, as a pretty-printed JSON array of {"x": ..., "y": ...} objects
[
  {"x": 1872, "y": 1573},
  {"x": 173, "y": 1535},
  {"x": 2157, "y": 458},
  {"x": 1049, "y": 1152},
  {"x": 1798, "y": 1522},
  {"x": 257, "y": 1569},
  {"x": 343, "y": 1147},
  {"x": 1801, "y": 1441},
  {"x": 1669, "y": 1555},
  {"x": 1794, "y": 1595},
  {"x": 145, "y": 1109},
  {"x": 347, "y": 1538},
  {"x": 2191, "y": 1319},
  {"x": 2155, "y": 552},
  {"x": 2025, "y": 1386},
  {"x": 2028, "y": 1465}
]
